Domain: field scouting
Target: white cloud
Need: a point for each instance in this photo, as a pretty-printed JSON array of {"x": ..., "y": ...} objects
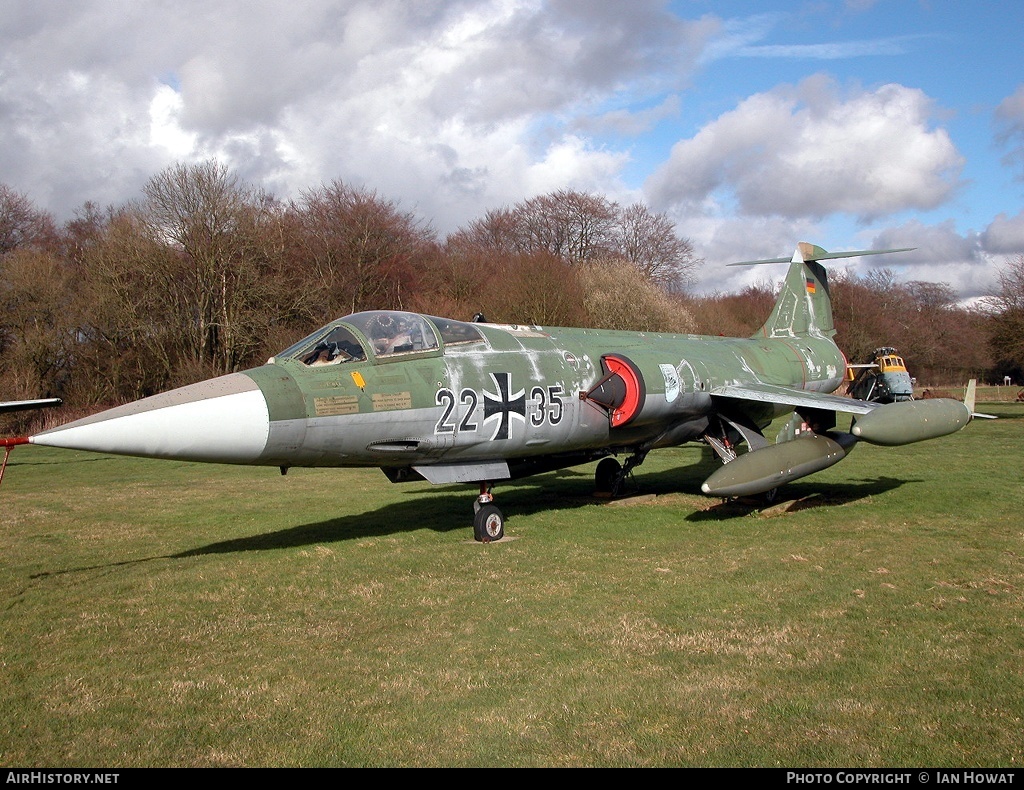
[
  {"x": 1005, "y": 235},
  {"x": 1010, "y": 117},
  {"x": 724, "y": 240},
  {"x": 940, "y": 254},
  {"x": 165, "y": 129},
  {"x": 809, "y": 152},
  {"x": 572, "y": 164},
  {"x": 453, "y": 107},
  {"x": 449, "y": 106}
]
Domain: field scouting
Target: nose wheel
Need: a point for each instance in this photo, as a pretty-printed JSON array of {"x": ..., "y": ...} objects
[{"x": 488, "y": 520}]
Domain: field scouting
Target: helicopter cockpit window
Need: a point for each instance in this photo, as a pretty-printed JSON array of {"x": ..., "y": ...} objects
[
  {"x": 456, "y": 332},
  {"x": 393, "y": 332},
  {"x": 336, "y": 347}
]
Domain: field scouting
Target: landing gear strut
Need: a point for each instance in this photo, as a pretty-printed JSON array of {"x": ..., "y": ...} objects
[
  {"x": 610, "y": 476},
  {"x": 488, "y": 520}
]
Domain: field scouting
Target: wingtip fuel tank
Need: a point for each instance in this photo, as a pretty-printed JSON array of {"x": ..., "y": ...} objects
[{"x": 905, "y": 422}]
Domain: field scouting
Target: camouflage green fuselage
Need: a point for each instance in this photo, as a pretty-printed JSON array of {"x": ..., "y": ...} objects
[{"x": 519, "y": 392}]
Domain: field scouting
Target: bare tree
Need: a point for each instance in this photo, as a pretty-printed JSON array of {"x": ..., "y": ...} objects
[
  {"x": 361, "y": 250},
  {"x": 733, "y": 315},
  {"x": 617, "y": 295},
  {"x": 22, "y": 224},
  {"x": 650, "y": 243},
  {"x": 497, "y": 232},
  {"x": 213, "y": 222},
  {"x": 132, "y": 318},
  {"x": 459, "y": 280},
  {"x": 534, "y": 288},
  {"x": 571, "y": 225},
  {"x": 1006, "y": 320},
  {"x": 939, "y": 339},
  {"x": 869, "y": 312},
  {"x": 36, "y": 324},
  {"x": 578, "y": 228}
]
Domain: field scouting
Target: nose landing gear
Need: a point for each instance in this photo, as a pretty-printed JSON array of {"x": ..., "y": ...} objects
[{"x": 488, "y": 520}]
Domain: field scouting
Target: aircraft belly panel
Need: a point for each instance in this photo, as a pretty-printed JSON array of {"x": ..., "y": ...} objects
[
  {"x": 285, "y": 442},
  {"x": 443, "y": 474},
  {"x": 398, "y": 438}
]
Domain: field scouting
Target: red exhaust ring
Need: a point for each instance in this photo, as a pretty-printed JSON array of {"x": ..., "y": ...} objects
[
  {"x": 631, "y": 403},
  {"x": 620, "y": 392}
]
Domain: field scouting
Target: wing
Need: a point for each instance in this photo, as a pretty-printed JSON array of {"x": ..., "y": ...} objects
[
  {"x": 789, "y": 396},
  {"x": 767, "y": 466},
  {"x": 21, "y": 405}
]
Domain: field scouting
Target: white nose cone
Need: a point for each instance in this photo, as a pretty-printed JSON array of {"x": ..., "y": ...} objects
[{"x": 223, "y": 420}]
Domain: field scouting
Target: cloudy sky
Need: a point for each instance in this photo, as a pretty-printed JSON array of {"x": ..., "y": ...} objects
[{"x": 847, "y": 123}]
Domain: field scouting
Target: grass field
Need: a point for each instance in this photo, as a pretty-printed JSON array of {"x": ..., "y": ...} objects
[{"x": 171, "y": 614}]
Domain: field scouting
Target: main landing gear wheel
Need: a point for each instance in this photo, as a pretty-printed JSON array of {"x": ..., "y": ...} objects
[
  {"x": 608, "y": 476},
  {"x": 488, "y": 524}
]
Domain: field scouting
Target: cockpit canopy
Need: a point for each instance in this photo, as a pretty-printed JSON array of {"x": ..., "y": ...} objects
[{"x": 380, "y": 334}]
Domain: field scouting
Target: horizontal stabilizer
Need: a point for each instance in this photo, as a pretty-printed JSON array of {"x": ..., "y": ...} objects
[{"x": 807, "y": 253}]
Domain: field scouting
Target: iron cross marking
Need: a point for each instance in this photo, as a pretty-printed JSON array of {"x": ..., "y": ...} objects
[{"x": 504, "y": 404}]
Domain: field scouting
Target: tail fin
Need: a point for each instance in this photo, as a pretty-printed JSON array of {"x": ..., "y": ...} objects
[
  {"x": 970, "y": 396},
  {"x": 804, "y": 305}
]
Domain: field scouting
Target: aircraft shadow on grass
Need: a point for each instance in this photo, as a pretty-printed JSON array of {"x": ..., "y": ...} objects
[
  {"x": 61, "y": 461},
  {"x": 804, "y": 497},
  {"x": 1003, "y": 414},
  {"x": 565, "y": 494},
  {"x": 435, "y": 512}
]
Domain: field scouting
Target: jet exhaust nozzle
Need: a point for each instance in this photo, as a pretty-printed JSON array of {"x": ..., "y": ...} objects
[
  {"x": 905, "y": 422},
  {"x": 769, "y": 467}
]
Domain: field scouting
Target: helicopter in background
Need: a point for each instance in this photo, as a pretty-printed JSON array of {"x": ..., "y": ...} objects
[{"x": 884, "y": 379}]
